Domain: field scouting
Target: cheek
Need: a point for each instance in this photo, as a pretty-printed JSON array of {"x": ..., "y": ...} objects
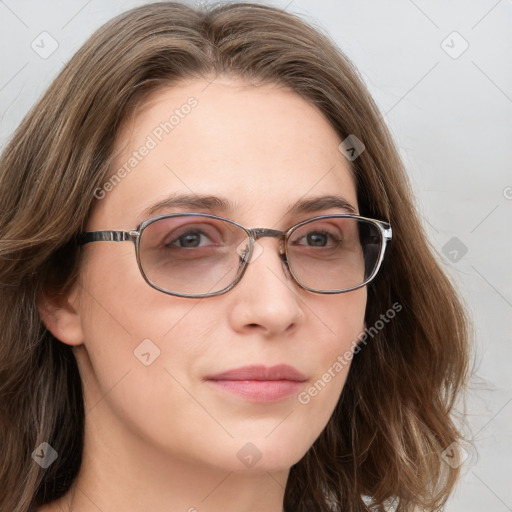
[
  {"x": 127, "y": 326},
  {"x": 119, "y": 305},
  {"x": 343, "y": 320}
]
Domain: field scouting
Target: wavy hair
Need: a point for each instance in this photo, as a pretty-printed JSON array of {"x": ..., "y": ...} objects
[{"x": 383, "y": 442}]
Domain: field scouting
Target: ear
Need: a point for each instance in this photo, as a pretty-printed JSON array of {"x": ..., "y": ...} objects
[{"x": 60, "y": 314}]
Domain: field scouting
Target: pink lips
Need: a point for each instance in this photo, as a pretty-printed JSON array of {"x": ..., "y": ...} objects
[{"x": 260, "y": 383}]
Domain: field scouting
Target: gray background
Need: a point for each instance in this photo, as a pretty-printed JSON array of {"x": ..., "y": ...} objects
[{"x": 450, "y": 110}]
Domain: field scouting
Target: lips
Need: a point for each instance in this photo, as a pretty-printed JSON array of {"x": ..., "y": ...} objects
[
  {"x": 278, "y": 372},
  {"x": 259, "y": 383}
]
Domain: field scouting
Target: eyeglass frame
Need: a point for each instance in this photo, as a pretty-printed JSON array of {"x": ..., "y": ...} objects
[{"x": 253, "y": 234}]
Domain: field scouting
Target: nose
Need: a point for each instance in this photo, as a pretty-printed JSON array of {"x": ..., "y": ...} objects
[{"x": 267, "y": 299}]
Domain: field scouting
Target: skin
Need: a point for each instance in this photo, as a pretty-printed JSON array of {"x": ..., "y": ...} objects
[{"x": 158, "y": 437}]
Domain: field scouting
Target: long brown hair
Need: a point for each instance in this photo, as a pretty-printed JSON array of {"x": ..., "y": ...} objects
[{"x": 393, "y": 420}]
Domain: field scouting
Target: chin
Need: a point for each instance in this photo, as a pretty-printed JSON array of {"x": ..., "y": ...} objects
[{"x": 265, "y": 454}]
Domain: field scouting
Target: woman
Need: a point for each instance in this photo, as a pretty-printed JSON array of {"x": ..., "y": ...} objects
[{"x": 217, "y": 365}]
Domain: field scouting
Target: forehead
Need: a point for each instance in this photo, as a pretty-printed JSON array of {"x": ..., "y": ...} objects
[{"x": 263, "y": 148}]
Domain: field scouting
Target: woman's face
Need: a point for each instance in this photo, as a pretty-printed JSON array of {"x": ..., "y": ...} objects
[{"x": 146, "y": 357}]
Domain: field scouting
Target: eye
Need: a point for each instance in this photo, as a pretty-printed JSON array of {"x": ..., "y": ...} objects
[
  {"x": 190, "y": 239},
  {"x": 317, "y": 238}
]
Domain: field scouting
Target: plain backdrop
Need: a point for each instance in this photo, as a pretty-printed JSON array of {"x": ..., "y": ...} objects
[{"x": 441, "y": 73}]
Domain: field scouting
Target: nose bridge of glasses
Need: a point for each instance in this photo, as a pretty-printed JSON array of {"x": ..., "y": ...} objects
[{"x": 258, "y": 233}]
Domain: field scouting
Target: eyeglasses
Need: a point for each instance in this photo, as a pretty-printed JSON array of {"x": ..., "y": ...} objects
[{"x": 201, "y": 255}]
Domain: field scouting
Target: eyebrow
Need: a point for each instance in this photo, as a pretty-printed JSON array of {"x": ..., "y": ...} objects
[
  {"x": 216, "y": 204},
  {"x": 316, "y": 204},
  {"x": 192, "y": 202}
]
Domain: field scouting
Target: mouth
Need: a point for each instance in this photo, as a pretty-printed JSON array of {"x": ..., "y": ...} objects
[{"x": 259, "y": 383}]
